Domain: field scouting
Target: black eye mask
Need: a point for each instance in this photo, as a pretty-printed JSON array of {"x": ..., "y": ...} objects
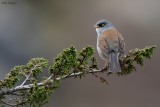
[{"x": 101, "y": 24}]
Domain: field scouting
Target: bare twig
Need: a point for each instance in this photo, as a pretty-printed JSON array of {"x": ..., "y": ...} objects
[
  {"x": 103, "y": 80},
  {"x": 27, "y": 77}
]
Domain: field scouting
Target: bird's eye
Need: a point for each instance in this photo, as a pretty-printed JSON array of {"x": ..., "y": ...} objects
[{"x": 102, "y": 24}]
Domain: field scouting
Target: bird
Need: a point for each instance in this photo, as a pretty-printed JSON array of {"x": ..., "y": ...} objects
[{"x": 110, "y": 45}]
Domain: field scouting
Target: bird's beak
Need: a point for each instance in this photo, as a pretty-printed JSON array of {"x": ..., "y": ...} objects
[{"x": 96, "y": 26}]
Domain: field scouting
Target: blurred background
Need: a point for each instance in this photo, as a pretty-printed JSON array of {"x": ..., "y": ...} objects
[{"x": 43, "y": 28}]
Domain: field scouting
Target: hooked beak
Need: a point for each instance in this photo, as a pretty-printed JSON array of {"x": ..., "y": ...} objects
[{"x": 96, "y": 26}]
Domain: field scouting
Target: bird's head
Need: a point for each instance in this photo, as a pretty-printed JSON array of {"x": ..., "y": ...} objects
[{"x": 102, "y": 25}]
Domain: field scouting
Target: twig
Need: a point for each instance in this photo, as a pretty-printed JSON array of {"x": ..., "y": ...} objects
[
  {"x": 31, "y": 71},
  {"x": 25, "y": 87},
  {"x": 26, "y": 78},
  {"x": 17, "y": 94},
  {"x": 10, "y": 104},
  {"x": 101, "y": 78}
]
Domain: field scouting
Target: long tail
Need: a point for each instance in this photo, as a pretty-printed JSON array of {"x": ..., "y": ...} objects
[{"x": 114, "y": 65}]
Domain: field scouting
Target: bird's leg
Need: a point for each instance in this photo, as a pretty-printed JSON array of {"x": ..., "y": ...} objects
[
  {"x": 107, "y": 65},
  {"x": 122, "y": 55}
]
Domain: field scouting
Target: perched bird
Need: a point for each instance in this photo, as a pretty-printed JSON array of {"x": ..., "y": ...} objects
[{"x": 110, "y": 44}]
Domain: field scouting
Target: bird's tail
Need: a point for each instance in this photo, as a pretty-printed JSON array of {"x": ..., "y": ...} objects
[{"x": 114, "y": 65}]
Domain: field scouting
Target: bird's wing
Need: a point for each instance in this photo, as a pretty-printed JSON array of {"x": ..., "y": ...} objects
[
  {"x": 103, "y": 45},
  {"x": 121, "y": 43},
  {"x": 109, "y": 37}
]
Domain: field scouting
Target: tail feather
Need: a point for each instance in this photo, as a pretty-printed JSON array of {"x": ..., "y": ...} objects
[{"x": 114, "y": 65}]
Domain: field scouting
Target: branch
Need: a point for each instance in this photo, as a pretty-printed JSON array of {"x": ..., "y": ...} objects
[
  {"x": 69, "y": 63},
  {"x": 9, "y": 104},
  {"x": 25, "y": 87}
]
